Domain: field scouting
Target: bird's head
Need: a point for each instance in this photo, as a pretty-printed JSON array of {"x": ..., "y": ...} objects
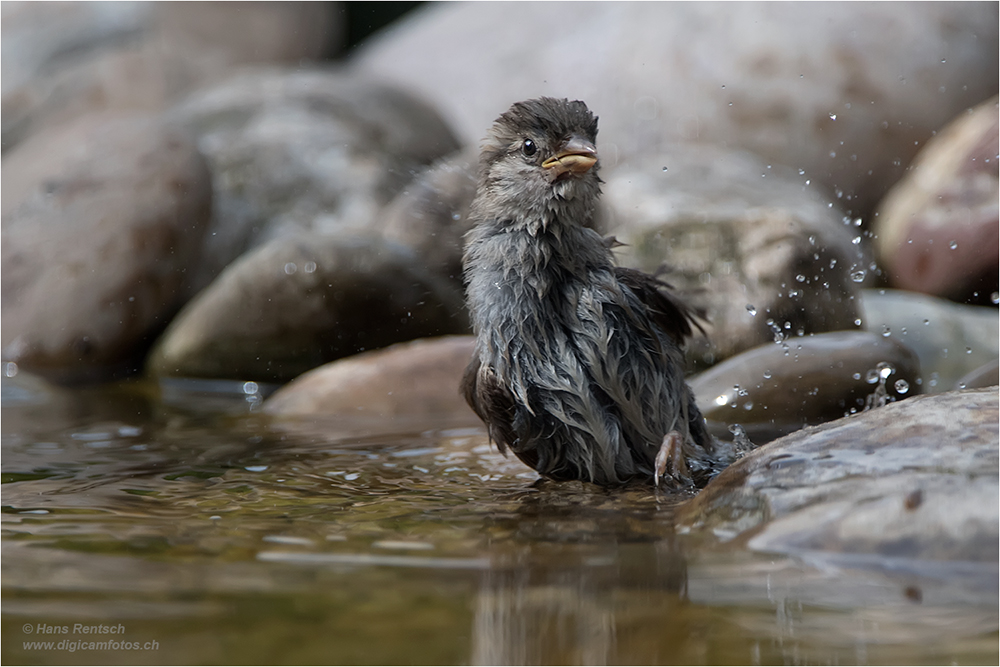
[{"x": 540, "y": 159}]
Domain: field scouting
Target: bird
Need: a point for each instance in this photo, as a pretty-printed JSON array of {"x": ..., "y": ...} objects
[{"x": 578, "y": 363}]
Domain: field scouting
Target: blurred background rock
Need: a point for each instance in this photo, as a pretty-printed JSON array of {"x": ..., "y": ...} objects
[{"x": 754, "y": 164}]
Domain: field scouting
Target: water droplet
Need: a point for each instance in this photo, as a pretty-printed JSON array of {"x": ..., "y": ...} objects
[
  {"x": 833, "y": 116},
  {"x": 856, "y": 376},
  {"x": 901, "y": 386},
  {"x": 9, "y": 369},
  {"x": 290, "y": 268},
  {"x": 721, "y": 400},
  {"x": 800, "y": 278},
  {"x": 833, "y": 263},
  {"x": 885, "y": 369},
  {"x": 968, "y": 350},
  {"x": 926, "y": 322},
  {"x": 856, "y": 240},
  {"x": 808, "y": 181},
  {"x": 250, "y": 388},
  {"x": 953, "y": 245},
  {"x": 871, "y": 377},
  {"x": 752, "y": 310},
  {"x": 858, "y": 276},
  {"x": 456, "y": 216},
  {"x": 255, "y": 468},
  {"x": 724, "y": 85},
  {"x": 886, "y": 331},
  {"x": 802, "y": 172},
  {"x": 664, "y": 169},
  {"x": 857, "y": 321},
  {"x": 310, "y": 267},
  {"x": 748, "y": 406},
  {"x": 767, "y": 375}
]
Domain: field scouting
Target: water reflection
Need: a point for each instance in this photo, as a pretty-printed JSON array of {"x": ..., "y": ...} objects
[{"x": 229, "y": 538}]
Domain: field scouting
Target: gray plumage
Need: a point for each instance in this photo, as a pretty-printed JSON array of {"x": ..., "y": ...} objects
[{"x": 578, "y": 366}]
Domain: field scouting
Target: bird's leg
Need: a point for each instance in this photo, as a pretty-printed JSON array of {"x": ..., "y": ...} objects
[{"x": 672, "y": 454}]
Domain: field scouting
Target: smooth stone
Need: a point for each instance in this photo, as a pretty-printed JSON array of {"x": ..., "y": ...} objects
[
  {"x": 304, "y": 149},
  {"x": 762, "y": 254},
  {"x": 101, "y": 220},
  {"x": 62, "y": 59},
  {"x": 938, "y": 229},
  {"x": 913, "y": 481},
  {"x": 809, "y": 85},
  {"x": 987, "y": 375},
  {"x": 775, "y": 389},
  {"x": 949, "y": 338},
  {"x": 417, "y": 379},
  {"x": 431, "y": 215},
  {"x": 300, "y": 301}
]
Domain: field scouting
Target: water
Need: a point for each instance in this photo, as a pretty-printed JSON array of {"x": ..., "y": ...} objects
[{"x": 202, "y": 533}]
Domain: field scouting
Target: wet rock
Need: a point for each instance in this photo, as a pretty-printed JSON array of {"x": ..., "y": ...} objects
[
  {"x": 101, "y": 219},
  {"x": 295, "y": 150},
  {"x": 431, "y": 215},
  {"x": 987, "y": 375},
  {"x": 950, "y": 339},
  {"x": 754, "y": 247},
  {"x": 773, "y": 389},
  {"x": 938, "y": 229},
  {"x": 811, "y": 86},
  {"x": 63, "y": 59},
  {"x": 415, "y": 379},
  {"x": 303, "y": 300},
  {"x": 916, "y": 480}
]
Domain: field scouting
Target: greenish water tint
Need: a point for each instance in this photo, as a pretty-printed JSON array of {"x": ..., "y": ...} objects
[{"x": 203, "y": 533}]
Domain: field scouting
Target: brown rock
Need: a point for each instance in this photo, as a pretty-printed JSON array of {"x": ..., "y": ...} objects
[
  {"x": 303, "y": 300},
  {"x": 938, "y": 229},
  {"x": 773, "y": 389},
  {"x": 415, "y": 379},
  {"x": 101, "y": 218}
]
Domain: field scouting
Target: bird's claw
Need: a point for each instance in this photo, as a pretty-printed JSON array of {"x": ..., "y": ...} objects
[{"x": 671, "y": 455}]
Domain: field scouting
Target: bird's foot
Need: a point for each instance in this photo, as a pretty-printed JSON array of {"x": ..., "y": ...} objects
[{"x": 671, "y": 455}]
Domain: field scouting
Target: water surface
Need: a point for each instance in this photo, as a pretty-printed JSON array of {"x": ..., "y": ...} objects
[{"x": 201, "y": 532}]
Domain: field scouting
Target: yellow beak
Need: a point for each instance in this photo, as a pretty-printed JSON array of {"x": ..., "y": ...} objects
[{"x": 576, "y": 156}]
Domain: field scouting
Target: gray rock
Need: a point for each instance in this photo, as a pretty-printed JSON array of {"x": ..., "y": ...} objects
[
  {"x": 914, "y": 481},
  {"x": 431, "y": 215},
  {"x": 295, "y": 150},
  {"x": 814, "y": 86},
  {"x": 101, "y": 219},
  {"x": 414, "y": 380},
  {"x": 63, "y": 59},
  {"x": 755, "y": 247},
  {"x": 987, "y": 375},
  {"x": 300, "y": 301},
  {"x": 938, "y": 229},
  {"x": 950, "y": 339},
  {"x": 773, "y": 389}
]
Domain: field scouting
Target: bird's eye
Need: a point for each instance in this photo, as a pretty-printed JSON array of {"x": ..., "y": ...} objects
[{"x": 529, "y": 148}]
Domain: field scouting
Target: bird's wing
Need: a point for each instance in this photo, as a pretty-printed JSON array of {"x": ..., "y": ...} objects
[
  {"x": 492, "y": 401},
  {"x": 668, "y": 311}
]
